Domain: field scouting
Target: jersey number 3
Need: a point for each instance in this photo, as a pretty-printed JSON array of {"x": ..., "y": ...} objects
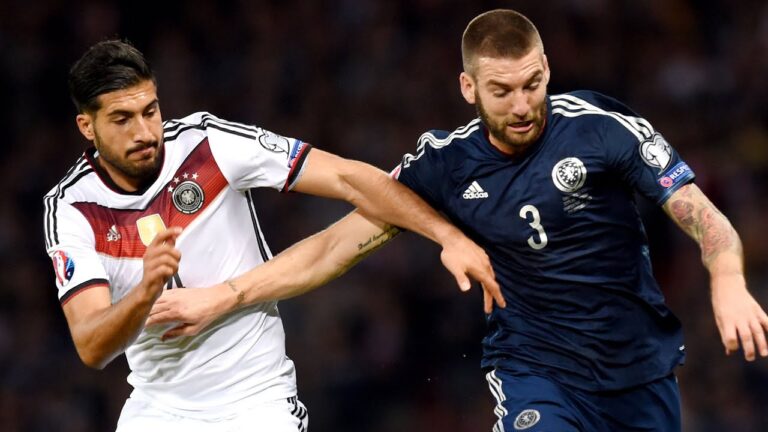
[{"x": 541, "y": 242}]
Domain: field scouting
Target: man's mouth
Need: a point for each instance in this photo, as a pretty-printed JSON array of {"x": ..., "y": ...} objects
[
  {"x": 521, "y": 127},
  {"x": 143, "y": 152}
]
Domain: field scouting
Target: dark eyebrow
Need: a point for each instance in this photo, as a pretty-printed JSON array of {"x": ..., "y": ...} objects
[
  {"x": 536, "y": 76},
  {"x": 127, "y": 113}
]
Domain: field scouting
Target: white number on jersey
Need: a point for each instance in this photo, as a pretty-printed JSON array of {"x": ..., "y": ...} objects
[{"x": 535, "y": 224}]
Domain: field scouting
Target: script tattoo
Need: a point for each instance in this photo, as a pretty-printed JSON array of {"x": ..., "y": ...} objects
[
  {"x": 240, "y": 294},
  {"x": 377, "y": 240}
]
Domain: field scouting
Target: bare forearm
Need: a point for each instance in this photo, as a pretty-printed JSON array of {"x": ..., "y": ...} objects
[
  {"x": 374, "y": 193},
  {"x": 378, "y": 195},
  {"x": 308, "y": 264},
  {"x": 107, "y": 332}
]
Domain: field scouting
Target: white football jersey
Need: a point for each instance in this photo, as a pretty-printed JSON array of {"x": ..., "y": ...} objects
[{"x": 96, "y": 235}]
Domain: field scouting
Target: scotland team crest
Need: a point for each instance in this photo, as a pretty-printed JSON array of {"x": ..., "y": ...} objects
[
  {"x": 188, "y": 197},
  {"x": 569, "y": 174}
]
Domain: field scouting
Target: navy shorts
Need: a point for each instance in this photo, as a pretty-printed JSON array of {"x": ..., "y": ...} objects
[{"x": 538, "y": 404}]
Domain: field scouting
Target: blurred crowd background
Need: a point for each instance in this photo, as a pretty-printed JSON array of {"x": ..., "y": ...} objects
[{"x": 393, "y": 345}]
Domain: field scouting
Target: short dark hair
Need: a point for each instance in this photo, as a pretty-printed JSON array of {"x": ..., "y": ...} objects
[
  {"x": 498, "y": 33},
  {"x": 107, "y": 66}
]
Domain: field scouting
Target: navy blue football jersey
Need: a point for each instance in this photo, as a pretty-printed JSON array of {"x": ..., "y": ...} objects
[{"x": 565, "y": 239}]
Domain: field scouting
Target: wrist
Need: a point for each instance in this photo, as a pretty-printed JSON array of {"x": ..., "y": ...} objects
[{"x": 232, "y": 294}]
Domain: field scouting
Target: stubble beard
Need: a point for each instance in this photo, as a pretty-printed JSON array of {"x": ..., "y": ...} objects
[
  {"x": 498, "y": 129},
  {"x": 140, "y": 171}
]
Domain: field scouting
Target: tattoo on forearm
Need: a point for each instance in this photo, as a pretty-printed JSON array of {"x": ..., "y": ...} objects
[
  {"x": 240, "y": 294},
  {"x": 683, "y": 211},
  {"x": 716, "y": 234},
  {"x": 375, "y": 241}
]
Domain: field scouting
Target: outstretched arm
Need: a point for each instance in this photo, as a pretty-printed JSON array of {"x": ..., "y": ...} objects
[
  {"x": 304, "y": 266},
  {"x": 740, "y": 319}
]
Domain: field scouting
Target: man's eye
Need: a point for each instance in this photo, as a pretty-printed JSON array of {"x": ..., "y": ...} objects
[{"x": 121, "y": 121}]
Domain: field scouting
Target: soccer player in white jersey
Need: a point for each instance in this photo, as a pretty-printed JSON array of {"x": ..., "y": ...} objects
[{"x": 156, "y": 205}]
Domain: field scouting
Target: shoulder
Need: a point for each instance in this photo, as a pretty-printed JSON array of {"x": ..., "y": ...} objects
[
  {"x": 75, "y": 180},
  {"x": 443, "y": 144},
  {"x": 599, "y": 110},
  {"x": 207, "y": 122}
]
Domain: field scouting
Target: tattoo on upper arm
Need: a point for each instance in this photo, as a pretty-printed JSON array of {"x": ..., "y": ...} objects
[{"x": 377, "y": 240}]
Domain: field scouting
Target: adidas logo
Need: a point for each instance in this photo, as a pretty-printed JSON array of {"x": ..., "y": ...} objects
[
  {"x": 474, "y": 191},
  {"x": 113, "y": 234}
]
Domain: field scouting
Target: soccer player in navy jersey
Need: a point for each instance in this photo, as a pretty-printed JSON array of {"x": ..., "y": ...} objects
[{"x": 545, "y": 184}]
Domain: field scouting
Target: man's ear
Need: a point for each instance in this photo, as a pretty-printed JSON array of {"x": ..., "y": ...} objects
[
  {"x": 467, "y": 87},
  {"x": 85, "y": 123}
]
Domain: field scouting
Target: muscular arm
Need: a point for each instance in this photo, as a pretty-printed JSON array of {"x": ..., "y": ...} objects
[
  {"x": 375, "y": 194},
  {"x": 739, "y": 317},
  {"x": 720, "y": 246},
  {"x": 101, "y": 330},
  {"x": 303, "y": 267}
]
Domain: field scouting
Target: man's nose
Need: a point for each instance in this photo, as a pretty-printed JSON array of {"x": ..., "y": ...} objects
[
  {"x": 142, "y": 131},
  {"x": 520, "y": 105}
]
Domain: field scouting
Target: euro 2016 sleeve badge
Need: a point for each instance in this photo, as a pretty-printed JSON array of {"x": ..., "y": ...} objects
[{"x": 188, "y": 197}]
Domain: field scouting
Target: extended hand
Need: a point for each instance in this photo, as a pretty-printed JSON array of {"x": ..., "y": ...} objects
[
  {"x": 739, "y": 317},
  {"x": 193, "y": 309},
  {"x": 464, "y": 259}
]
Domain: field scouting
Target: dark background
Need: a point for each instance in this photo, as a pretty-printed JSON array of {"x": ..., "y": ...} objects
[{"x": 393, "y": 345}]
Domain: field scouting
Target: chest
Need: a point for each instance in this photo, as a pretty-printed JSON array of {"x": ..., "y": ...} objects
[{"x": 532, "y": 203}]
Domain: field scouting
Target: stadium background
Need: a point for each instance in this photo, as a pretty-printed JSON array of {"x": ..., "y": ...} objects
[{"x": 393, "y": 345}]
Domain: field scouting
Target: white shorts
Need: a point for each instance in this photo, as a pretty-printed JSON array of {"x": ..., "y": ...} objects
[{"x": 287, "y": 415}]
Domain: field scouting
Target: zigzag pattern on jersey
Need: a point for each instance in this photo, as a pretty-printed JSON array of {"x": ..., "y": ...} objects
[
  {"x": 80, "y": 169},
  {"x": 572, "y": 106},
  {"x": 438, "y": 143}
]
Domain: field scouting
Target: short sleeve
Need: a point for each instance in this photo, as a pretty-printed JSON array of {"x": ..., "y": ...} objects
[
  {"x": 646, "y": 161},
  {"x": 424, "y": 172},
  {"x": 251, "y": 157},
  {"x": 76, "y": 264}
]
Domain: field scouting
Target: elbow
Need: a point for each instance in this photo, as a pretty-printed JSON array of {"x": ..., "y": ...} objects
[{"x": 92, "y": 359}]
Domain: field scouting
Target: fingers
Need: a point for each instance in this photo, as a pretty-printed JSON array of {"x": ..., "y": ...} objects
[
  {"x": 163, "y": 317},
  {"x": 181, "y": 330},
  {"x": 747, "y": 342},
  {"x": 730, "y": 339},
  {"x": 166, "y": 236},
  {"x": 491, "y": 287},
  {"x": 759, "y": 336},
  {"x": 487, "y": 301},
  {"x": 463, "y": 281}
]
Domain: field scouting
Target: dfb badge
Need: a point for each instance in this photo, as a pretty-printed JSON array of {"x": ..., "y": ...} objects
[
  {"x": 188, "y": 197},
  {"x": 569, "y": 174}
]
